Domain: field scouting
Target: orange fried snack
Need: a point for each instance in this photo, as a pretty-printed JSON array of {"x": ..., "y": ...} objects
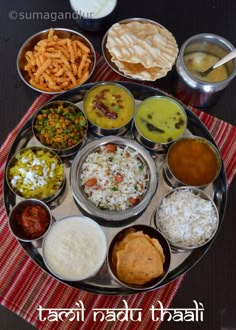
[
  {"x": 138, "y": 258},
  {"x": 57, "y": 64}
]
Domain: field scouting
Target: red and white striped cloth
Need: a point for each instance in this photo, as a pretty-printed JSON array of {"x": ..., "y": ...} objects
[{"x": 24, "y": 286}]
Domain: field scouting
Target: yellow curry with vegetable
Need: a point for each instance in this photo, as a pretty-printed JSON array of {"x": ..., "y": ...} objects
[{"x": 109, "y": 106}]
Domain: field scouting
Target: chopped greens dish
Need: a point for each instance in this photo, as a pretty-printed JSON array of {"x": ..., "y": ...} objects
[{"x": 60, "y": 127}]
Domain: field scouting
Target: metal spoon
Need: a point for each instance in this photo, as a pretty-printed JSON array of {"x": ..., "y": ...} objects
[{"x": 222, "y": 61}]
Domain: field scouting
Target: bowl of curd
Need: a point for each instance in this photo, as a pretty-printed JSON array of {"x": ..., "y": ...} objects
[
  {"x": 74, "y": 248},
  {"x": 93, "y": 15}
]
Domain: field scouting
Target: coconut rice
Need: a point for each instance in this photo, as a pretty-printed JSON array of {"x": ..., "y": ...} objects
[
  {"x": 120, "y": 178},
  {"x": 186, "y": 219}
]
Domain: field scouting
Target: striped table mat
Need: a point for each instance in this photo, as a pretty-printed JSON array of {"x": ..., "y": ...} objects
[{"x": 24, "y": 286}]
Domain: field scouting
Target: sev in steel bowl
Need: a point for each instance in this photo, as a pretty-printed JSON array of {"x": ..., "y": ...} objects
[{"x": 55, "y": 60}]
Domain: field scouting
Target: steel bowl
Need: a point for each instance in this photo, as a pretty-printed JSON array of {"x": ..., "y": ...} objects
[
  {"x": 33, "y": 40},
  {"x": 156, "y": 146},
  {"x": 152, "y": 233},
  {"x": 175, "y": 243},
  {"x": 173, "y": 180},
  {"x": 87, "y": 238},
  {"x": 189, "y": 88},
  {"x": 14, "y": 222},
  {"x": 106, "y": 54},
  {"x": 62, "y": 152},
  {"x": 111, "y": 217},
  {"x": 45, "y": 198},
  {"x": 98, "y": 129},
  {"x": 92, "y": 20}
]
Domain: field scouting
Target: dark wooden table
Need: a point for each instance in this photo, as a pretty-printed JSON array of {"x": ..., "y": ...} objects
[{"x": 213, "y": 280}]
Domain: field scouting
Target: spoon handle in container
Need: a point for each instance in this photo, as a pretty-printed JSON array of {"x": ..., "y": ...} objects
[{"x": 225, "y": 59}]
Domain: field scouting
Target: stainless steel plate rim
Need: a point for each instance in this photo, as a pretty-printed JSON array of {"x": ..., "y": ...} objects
[{"x": 102, "y": 286}]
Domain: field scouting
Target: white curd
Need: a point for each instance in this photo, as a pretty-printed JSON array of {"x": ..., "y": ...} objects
[
  {"x": 93, "y": 8},
  {"x": 75, "y": 248}
]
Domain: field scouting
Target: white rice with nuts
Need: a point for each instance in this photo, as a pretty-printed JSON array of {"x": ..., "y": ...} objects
[
  {"x": 114, "y": 180},
  {"x": 186, "y": 219}
]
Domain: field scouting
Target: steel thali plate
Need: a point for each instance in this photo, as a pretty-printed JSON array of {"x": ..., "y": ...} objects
[{"x": 102, "y": 282}]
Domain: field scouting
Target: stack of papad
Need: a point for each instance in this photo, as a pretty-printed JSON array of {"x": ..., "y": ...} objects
[
  {"x": 138, "y": 258},
  {"x": 140, "y": 50}
]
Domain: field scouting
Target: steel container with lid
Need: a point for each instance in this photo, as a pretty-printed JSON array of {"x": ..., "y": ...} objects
[{"x": 193, "y": 90}]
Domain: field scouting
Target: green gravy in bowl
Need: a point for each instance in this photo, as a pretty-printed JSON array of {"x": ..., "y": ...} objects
[{"x": 160, "y": 119}]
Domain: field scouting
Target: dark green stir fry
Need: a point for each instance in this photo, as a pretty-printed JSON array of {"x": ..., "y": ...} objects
[{"x": 61, "y": 127}]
